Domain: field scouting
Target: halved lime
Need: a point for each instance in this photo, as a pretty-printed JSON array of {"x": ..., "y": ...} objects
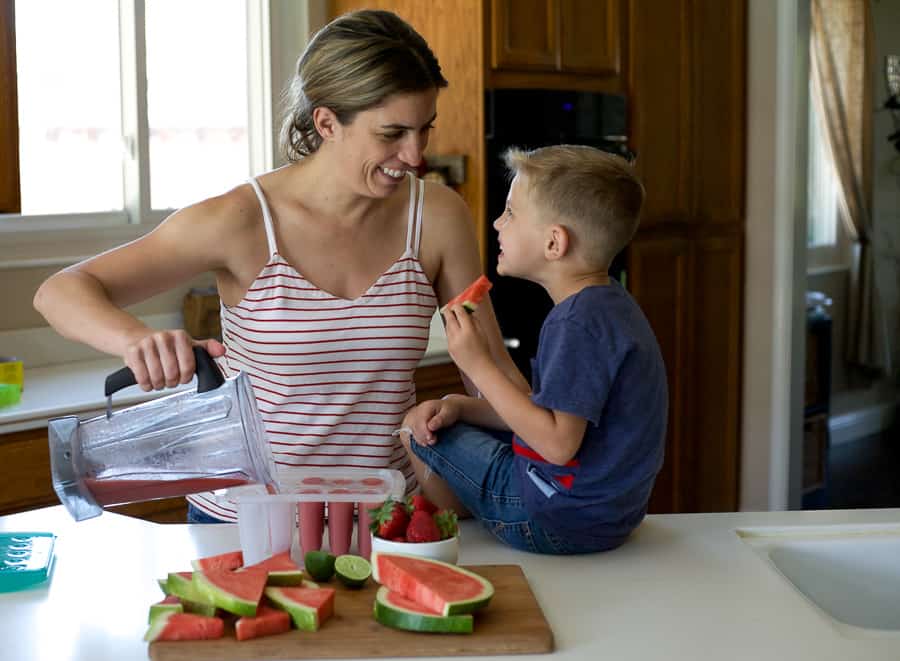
[
  {"x": 352, "y": 570},
  {"x": 319, "y": 565}
]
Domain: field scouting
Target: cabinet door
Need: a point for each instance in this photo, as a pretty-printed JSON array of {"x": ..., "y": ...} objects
[
  {"x": 525, "y": 35},
  {"x": 590, "y": 33},
  {"x": 658, "y": 279}
]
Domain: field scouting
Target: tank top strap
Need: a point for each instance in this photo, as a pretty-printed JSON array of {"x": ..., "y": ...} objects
[
  {"x": 414, "y": 223},
  {"x": 267, "y": 216}
]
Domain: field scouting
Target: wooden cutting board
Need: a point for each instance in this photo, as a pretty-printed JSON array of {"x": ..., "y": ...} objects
[{"x": 512, "y": 623}]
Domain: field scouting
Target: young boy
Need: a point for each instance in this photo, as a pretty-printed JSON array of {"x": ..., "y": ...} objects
[{"x": 576, "y": 474}]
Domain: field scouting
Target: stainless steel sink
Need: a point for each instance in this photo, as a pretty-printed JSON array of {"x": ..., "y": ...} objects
[{"x": 850, "y": 573}]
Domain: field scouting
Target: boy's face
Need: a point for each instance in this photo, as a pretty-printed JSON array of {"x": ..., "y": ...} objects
[{"x": 520, "y": 233}]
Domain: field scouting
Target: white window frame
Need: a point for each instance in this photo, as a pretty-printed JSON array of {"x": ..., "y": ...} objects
[{"x": 276, "y": 33}]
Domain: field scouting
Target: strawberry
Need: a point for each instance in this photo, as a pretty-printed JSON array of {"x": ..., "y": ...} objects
[
  {"x": 390, "y": 519},
  {"x": 446, "y": 521},
  {"x": 422, "y": 528},
  {"x": 419, "y": 502}
]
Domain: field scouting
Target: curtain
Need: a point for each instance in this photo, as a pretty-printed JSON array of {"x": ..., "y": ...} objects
[{"x": 840, "y": 66}]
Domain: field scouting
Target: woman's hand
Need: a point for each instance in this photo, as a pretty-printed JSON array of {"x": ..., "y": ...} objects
[
  {"x": 165, "y": 359},
  {"x": 466, "y": 341},
  {"x": 429, "y": 416}
]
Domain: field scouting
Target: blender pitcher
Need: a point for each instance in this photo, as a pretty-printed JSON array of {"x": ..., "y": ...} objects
[{"x": 176, "y": 445}]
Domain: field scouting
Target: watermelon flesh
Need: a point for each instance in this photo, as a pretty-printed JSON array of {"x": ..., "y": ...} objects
[
  {"x": 396, "y": 611},
  {"x": 471, "y": 296},
  {"x": 232, "y": 591},
  {"x": 267, "y": 622},
  {"x": 281, "y": 568},
  {"x": 184, "y": 626},
  {"x": 230, "y": 560},
  {"x": 171, "y": 604},
  {"x": 309, "y": 608},
  {"x": 438, "y": 586}
]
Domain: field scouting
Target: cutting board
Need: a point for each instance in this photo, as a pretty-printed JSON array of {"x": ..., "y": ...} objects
[{"x": 512, "y": 623}]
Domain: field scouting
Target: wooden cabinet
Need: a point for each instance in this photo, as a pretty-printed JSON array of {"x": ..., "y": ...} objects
[
  {"x": 26, "y": 458},
  {"x": 577, "y": 44},
  {"x": 570, "y": 36}
]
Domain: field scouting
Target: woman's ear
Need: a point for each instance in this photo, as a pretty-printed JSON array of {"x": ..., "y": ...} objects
[
  {"x": 556, "y": 242},
  {"x": 326, "y": 122}
]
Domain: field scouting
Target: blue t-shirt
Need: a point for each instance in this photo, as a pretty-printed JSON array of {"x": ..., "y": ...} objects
[{"x": 598, "y": 359}]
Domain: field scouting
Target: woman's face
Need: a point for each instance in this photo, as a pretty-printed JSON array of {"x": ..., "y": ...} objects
[{"x": 385, "y": 142}]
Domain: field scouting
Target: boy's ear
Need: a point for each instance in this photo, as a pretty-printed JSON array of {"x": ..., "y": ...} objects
[
  {"x": 556, "y": 242},
  {"x": 326, "y": 122}
]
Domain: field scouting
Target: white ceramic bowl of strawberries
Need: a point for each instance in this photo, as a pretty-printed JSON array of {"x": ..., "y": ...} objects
[{"x": 422, "y": 517}]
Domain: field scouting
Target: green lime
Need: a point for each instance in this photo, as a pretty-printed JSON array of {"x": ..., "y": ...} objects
[
  {"x": 352, "y": 570},
  {"x": 319, "y": 565}
]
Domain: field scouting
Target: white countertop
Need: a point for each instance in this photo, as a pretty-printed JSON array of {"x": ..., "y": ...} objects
[
  {"x": 76, "y": 388},
  {"x": 685, "y": 587}
]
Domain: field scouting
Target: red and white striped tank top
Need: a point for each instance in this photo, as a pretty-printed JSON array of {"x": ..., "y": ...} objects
[{"x": 333, "y": 377}]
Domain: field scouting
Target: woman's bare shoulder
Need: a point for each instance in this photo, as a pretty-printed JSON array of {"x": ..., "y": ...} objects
[{"x": 233, "y": 211}]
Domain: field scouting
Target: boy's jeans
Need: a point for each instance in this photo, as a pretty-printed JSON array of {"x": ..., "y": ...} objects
[{"x": 478, "y": 466}]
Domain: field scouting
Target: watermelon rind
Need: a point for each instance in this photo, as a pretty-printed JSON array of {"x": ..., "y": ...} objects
[
  {"x": 181, "y": 584},
  {"x": 163, "y": 584},
  {"x": 398, "y": 617},
  {"x": 425, "y": 594},
  {"x": 170, "y": 604},
  {"x": 221, "y": 597},
  {"x": 305, "y": 618}
]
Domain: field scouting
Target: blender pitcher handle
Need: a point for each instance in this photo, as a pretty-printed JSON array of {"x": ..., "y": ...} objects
[{"x": 208, "y": 375}]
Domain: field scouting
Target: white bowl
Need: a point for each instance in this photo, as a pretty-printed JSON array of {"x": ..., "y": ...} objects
[{"x": 446, "y": 550}]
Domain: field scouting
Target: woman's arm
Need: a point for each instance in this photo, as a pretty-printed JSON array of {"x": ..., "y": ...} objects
[
  {"x": 85, "y": 302},
  {"x": 459, "y": 264}
]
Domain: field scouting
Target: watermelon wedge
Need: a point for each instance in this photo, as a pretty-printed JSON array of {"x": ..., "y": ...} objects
[
  {"x": 398, "y": 612},
  {"x": 440, "y": 587},
  {"x": 267, "y": 622},
  {"x": 181, "y": 584},
  {"x": 230, "y": 560},
  {"x": 232, "y": 591},
  {"x": 309, "y": 608},
  {"x": 471, "y": 296},
  {"x": 171, "y": 604},
  {"x": 281, "y": 568},
  {"x": 184, "y": 626}
]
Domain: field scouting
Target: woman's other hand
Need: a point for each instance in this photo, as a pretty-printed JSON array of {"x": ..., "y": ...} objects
[
  {"x": 165, "y": 359},
  {"x": 426, "y": 418}
]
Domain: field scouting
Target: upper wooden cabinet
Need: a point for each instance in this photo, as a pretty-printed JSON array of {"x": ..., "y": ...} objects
[{"x": 568, "y": 44}]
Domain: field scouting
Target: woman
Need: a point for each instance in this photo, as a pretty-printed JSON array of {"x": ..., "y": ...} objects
[{"x": 329, "y": 269}]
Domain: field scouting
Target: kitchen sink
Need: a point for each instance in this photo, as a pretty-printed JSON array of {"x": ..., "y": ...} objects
[{"x": 850, "y": 573}]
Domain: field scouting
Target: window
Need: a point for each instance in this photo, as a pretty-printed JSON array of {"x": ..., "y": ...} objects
[
  {"x": 126, "y": 108},
  {"x": 826, "y": 239}
]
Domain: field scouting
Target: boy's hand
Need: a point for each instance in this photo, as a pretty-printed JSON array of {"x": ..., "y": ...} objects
[
  {"x": 427, "y": 417},
  {"x": 465, "y": 340}
]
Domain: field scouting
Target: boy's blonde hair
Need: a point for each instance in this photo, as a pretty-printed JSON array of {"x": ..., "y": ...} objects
[{"x": 596, "y": 194}]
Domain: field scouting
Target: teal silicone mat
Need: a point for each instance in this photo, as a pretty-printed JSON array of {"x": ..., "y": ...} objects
[{"x": 26, "y": 559}]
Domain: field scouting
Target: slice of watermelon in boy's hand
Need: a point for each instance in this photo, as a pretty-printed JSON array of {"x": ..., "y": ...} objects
[{"x": 471, "y": 296}]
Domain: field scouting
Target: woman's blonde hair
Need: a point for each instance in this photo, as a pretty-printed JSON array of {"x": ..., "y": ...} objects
[
  {"x": 597, "y": 194},
  {"x": 353, "y": 64}
]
